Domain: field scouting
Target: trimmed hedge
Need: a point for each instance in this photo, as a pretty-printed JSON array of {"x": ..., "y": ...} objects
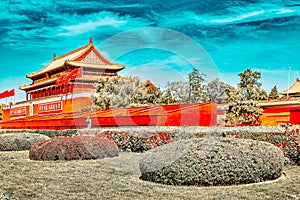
[
  {"x": 55, "y": 133},
  {"x": 212, "y": 161},
  {"x": 19, "y": 141},
  {"x": 73, "y": 148}
]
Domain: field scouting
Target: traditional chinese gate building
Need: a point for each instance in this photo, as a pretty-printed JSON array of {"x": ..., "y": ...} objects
[
  {"x": 64, "y": 85},
  {"x": 73, "y": 72},
  {"x": 60, "y": 90}
]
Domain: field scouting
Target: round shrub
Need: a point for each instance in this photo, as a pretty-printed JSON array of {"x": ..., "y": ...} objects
[
  {"x": 19, "y": 141},
  {"x": 212, "y": 161},
  {"x": 73, "y": 148}
]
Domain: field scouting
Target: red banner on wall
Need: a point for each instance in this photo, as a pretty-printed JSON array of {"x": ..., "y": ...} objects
[
  {"x": 18, "y": 112},
  {"x": 49, "y": 108}
]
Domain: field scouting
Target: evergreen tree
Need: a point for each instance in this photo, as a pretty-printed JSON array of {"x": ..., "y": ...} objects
[
  {"x": 242, "y": 105},
  {"x": 250, "y": 86},
  {"x": 167, "y": 98},
  {"x": 273, "y": 93},
  {"x": 190, "y": 91},
  {"x": 196, "y": 89}
]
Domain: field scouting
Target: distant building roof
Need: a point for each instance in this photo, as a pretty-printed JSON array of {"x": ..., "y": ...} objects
[
  {"x": 148, "y": 83},
  {"x": 294, "y": 90}
]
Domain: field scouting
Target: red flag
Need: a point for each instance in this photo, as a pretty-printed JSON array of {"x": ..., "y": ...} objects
[
  {"x": 1, "y": 95},
  {"x": 4, "y": 94},
  {"x": 65, "y": 78},
  {"x": 73, "y": 74},
  {"x": 60, "y": 80},
  {"x": 11, "y": 93}
]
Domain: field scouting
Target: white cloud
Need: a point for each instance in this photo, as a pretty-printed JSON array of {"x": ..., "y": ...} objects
[
  {"x": 238, "y": 18},
  {"x": 80, "y": 28},
  {"x": 284, "y": 10},
  {"x": 173, "y": 60}
]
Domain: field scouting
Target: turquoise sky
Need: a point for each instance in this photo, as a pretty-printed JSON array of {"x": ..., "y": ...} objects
[{"x": 156, "y": 40}]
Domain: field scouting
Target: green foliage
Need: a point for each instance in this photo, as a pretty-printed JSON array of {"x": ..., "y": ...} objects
[
  {"x": 19, "y": 141},
  {"x": 242, "y": 107},
  {"x": 289, "y": 142},
  {"x": 167, "y": 98},
  {"x": 273, "y": 93},
  {"x": 250, "y": 87},
  {"x": 243, "y": 112},
  {"x": 196, "y": 88},
  {"x": 116, "y": 92},
  {"x": 212, "y": 161},
  {"x": 179, "y": 91},
  {"x": 216, "y": 91},
  {"x": 190, "y": 91},
  {"x": 54, "y": 133},
  {"x": 73, "y": 148}
]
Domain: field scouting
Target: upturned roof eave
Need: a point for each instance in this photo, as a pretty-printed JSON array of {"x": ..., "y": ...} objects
[
  {"x": 44, "y": 69},
  {"x": 96, "y": 66},
  {"x": 29, "y": 86}
]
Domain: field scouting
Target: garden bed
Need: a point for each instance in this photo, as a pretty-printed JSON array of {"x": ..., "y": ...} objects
[{"x": 21, "y": 178}]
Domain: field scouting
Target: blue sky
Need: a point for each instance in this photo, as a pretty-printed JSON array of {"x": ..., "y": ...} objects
[{"x": 156, "y": 40}]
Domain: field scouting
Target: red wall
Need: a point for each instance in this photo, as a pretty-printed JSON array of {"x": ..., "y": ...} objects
[{"x": 202, "y": 114}]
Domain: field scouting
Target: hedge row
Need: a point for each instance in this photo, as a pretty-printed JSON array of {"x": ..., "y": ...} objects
[
  {"x": 19, "y": 141},
  {"x": 73, "y": 148}
]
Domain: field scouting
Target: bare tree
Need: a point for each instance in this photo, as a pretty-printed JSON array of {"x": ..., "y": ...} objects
[
  {"x": 116, "y": 92},
  {"x": 179, "y": 91},
  {"x": 216, "y": 91}
]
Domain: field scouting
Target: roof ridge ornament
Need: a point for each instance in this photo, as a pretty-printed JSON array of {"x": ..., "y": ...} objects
[
  {"x": 91, "y": 40},
  {"x": 54, "y": 56}
]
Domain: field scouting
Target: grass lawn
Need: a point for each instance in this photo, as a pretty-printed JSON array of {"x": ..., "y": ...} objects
[{"x": 118, "y": 178}]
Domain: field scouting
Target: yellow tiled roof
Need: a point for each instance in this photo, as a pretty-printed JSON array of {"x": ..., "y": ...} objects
[
  {"x": 71, "y": 58},
  {"x": 93, "y": 65},
  {"x": 59, "y": 61},
  {"x": 294, "y": 89},
  {"x": 28, "y": 86}
]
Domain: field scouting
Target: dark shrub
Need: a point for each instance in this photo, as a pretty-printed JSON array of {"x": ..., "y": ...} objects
[
  {"x": 212, "y": 161},
  {"x": 19, "y": 141},
  {"x": 54, "y": 133},
  {"x": 73, "y": 148}
]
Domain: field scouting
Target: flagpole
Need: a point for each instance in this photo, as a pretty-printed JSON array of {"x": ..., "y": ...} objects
[{"x": 289, "y": 80}]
